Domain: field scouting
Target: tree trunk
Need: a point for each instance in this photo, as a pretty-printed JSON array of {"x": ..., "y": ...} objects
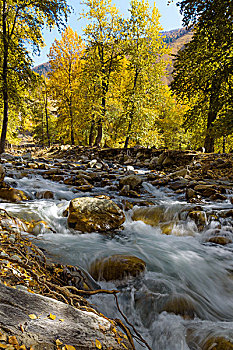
[
  {"x": 212, "y": 113},
  {"x": 46, "y": 115},
  {"x": 132, "y": 111},
  {"x": 91, "y": 135},
  {"x": 4, "y": 78}
]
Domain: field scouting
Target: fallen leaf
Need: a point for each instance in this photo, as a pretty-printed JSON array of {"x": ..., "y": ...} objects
[
  {"x": 13, "y": 340},
  {"x": 52, "y": 317},
  {"x": 22, "y": 347},
  {"x": 69, "y": 347},
  {"x": 98, "y": 344},
  {"x": 61, "y": 320},
  {"x": 32, "y": 316},
  {"x": 3, "y": 346},
  {"x": 21, "y": 328}
]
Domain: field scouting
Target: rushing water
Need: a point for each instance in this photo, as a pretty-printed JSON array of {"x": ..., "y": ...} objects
[{"x": 182, "y": 269}]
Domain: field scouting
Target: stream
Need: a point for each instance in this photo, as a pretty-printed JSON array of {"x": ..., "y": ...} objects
[{"x": 186, "y": 295}]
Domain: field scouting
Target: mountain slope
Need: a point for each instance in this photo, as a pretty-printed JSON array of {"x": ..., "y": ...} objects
[{"x": 176, "y": 39}]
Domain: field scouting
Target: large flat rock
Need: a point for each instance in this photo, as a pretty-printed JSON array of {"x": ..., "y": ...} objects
[{"x": 75, "y": 327}]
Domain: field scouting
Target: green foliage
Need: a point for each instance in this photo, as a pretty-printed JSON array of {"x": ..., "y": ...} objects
[{"x": 203, "y": 70}]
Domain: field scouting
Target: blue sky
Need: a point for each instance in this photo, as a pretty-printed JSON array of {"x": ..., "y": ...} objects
[{"x": 170, "y": 19}]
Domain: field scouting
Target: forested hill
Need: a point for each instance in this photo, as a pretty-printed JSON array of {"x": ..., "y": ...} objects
[
  {"x": 42, "y": 68},
  {"x": 175, "y": 38}
]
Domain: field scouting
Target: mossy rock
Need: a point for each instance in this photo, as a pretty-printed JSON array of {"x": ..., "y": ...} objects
[
  {"x": 89, "y": 214},
  {"x": 150, "y": 216},
  {"x": 218, "y": 343},
  {"x": 117, "y": 267},
  {"x": 13, "y": 195},
  {"x": 180, "y": 305},
  {"x": 220, "y": 240}
]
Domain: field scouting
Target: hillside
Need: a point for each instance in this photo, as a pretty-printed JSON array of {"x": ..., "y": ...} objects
[
  {"x": 175, "y": 38},
  {"x": 175, "y": 44},
  {"x": 43, "y": 68}
]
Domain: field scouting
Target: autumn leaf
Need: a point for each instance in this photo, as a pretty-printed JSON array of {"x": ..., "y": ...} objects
[
  {"x": 98, "y": 344},
  {"x": 61, "y": 319},
  {"x": 52, "y": 317},
  {"x": 32, "y": 316},
  {"x": 58, "y": 342},
  {"x": 69, "y": 347}
]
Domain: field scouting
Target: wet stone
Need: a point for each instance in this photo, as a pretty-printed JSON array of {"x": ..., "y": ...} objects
[
  {"x": 117, "y": 267},
  {"x": 94, "y": 215}
]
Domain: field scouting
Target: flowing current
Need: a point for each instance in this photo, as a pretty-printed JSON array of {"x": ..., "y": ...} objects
[{"x": 186, "y": 295}]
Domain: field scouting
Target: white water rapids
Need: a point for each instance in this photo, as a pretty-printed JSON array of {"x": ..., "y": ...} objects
[{"x": 179, "y": 267}]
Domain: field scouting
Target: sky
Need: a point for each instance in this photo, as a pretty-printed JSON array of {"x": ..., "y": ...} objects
[{"x": 170, "y": 19}]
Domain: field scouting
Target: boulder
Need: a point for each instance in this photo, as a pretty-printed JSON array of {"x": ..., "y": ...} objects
[
  {"x": 133, "y": 181},
  {"x": 150, "y": 216},
  {"x": 89, "y": 214},
  {"x": 199, "y": 217},
  {"x": 180, "y": 305},
  {"x": 218, "y": 343},
  {"x": 40, "y": 323},
  {"x": 117, "y": 267},
  {"x": 13, "y": 195},
  {"x": 220, "y": 240}
]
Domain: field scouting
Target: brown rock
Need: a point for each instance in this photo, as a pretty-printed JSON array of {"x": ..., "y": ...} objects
[
  {"x": 45, "y": 194},
  {"x": 94, "y": 215},
  {"x": 220, "y": 240},
  {"x": 132, "y": 180},
  {"x": 218, "y": 343},
  {"x": 150, "y": 216},
  {"x": 117, "y": 267},
  {"x": 198, "y": 216},
  {"x": 13, "y": 195},
  {"x": 180, "y": 305}
]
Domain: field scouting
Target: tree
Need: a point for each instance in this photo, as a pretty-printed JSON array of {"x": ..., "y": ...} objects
[
  {"x": 21, "y": 24},
  {"x": 103, "y": 48},
  {"x": 203, "y": 70},
  {"x": 65, "y": 59},
  {"x": 145, "y": 49}
]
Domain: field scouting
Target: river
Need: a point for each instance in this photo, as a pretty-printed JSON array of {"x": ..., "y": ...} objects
[{"x": 186, "y": 294}]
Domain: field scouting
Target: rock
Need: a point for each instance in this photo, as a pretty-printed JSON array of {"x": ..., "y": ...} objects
[
  {"x": 7, "y": 156},
  {"x": 218, "y": 196},
  {"x": 154, "y": 162},
  {"x": 79, "y": 328},
  {"x": 177, "y": 185},
  {"x": 218, "y": 343},
  {"x": 94, "y": 215},
  {"x": 27, "y": 156},
  {"x": 180, "y": 305},
  {"x": 133, "y": 181},
  {"x": 117, "y": 267},
  {"x": 180, "y": 173},
  {"x": 150, "y": 216},
  {"x": 45, "y": 195},
  {"x": 85, "y": 188},
  {"x": 231, "y": 200},
  {"x": 13, "y": 195},
  {"x": 39, "y": 227},
  {"x": 205, "y": 190},
  {"x": 190, "y": 194},
  {"x": 199, "y": 217},
  {"x": 92, "y": 163},
  {"x": 220, "y": 240}
]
